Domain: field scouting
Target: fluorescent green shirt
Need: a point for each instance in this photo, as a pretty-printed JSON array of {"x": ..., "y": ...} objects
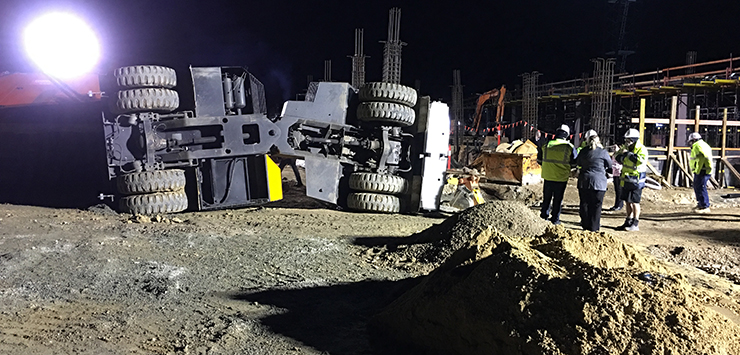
[{"x": 701, "y": 158}]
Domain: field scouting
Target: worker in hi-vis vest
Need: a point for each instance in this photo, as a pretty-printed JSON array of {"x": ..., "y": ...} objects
[
  {"x": 633, "y": 158},
  {"x": 701, "y": 165},
  {"x": 557, "y": 157}
]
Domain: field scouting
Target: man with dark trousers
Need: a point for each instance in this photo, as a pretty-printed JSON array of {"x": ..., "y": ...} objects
[
  {"x": 594, "y": 164},
  {"x": 557, "y": 157},
  {"x": 701, "y": 166}
]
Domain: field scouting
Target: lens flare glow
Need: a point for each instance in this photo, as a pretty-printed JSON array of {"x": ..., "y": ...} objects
[{"x": 61, "y": 45}]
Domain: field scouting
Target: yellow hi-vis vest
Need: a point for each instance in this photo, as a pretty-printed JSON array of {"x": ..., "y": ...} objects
[
  {"x": 701, "y": 158},
  {"x": 636, "y": 169},
  {"x": 556, "y": 158}
]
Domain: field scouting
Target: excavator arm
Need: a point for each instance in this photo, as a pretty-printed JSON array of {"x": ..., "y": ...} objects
[{"x": 483, "y": 98}]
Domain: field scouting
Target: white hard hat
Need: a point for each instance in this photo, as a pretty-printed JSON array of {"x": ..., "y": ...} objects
[
  {"x": 564, "y": 128},
  {"x": 590, "y": 133},
  {"x": 694, "y": 136},
  {"x": 632, "y": 134}
]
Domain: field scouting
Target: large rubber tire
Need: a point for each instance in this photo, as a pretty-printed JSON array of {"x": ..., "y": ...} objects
[
  {"x": 388, "y": 92},
  {"x": 156, "y": 203},
  {"x": 146, "y": 182},
  {"x": 370, "y": 202},
  {"x": 381, "y": 183},
  {"x": 386, "y": 113},
  {"x": 140, "y": 76},
  {"x": 150, "y": 99}
]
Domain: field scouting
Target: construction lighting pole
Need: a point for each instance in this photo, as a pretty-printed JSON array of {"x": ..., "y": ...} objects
[
  {"x": 358, "y": 59},
  {"x": 392, "y": 49}
]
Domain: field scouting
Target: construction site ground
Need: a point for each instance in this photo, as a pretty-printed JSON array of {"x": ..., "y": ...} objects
[{"x": 294, "y": 277}]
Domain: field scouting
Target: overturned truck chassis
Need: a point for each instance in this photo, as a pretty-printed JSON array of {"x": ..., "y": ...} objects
[{"x": 367, "y": 151}]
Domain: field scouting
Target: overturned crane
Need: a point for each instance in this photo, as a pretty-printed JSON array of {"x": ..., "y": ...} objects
[{"x": 377, "y": 149}]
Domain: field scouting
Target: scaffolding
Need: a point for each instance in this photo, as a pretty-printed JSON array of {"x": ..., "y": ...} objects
[
  {"x": 392, "y": 49},
  {"x": 709, "y": 89}
]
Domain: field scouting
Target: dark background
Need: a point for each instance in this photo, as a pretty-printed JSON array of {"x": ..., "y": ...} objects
[
  {"x": 55, "y": 155},
  {"x": 491, "y": 42}
]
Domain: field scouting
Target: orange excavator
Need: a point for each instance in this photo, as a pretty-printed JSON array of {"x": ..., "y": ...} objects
[{"x": 483, "y": 98}]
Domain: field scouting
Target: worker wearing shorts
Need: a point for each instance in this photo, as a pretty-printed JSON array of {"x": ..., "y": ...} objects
[{"x": 633, "y": 177}]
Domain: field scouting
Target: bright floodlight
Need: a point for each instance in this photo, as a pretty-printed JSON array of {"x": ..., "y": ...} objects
[{"x": 62, "y": 45}]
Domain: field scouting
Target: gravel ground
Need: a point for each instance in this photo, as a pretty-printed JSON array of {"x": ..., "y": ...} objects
[{"x": 292, "y": 277}]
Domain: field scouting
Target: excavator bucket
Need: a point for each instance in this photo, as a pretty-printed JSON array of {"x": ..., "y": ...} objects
[{"x": 516, "y": 166}]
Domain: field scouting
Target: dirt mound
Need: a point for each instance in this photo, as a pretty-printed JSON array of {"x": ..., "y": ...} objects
[
  {"x": 430, "y": 248},
  {"x": 529, "y": 194},
  {"x": 565, "y": 292}
]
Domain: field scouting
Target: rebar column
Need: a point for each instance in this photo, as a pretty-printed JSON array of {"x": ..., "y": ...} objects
[
  {"x": 327, "y": 70},
  {"x": 358, "y": 59},
  {"x": 601, "y": 100},
  {"x": 457, "y": 111},
  {"x": 690, "y": 59},
  {"x": 530, "y": 105},
  {"x": 392, "y": 49}
]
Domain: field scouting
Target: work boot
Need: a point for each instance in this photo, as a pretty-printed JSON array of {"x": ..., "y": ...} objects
[
  {"x": 633, "y": 227},
  {"x": 627, "y": 223},
  {"x": 702, "y": 210}
]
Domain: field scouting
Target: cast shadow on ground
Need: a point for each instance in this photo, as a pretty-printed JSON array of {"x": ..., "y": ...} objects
[
  {"x": 295, "y": 197},
  {"x": 688, "y": 216},
  {"x": 333, "y": 319},
  {"x": 392, "y": 243},
  {"x": 729, "y": 236}
]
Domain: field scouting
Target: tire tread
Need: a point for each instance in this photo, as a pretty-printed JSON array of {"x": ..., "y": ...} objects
[
  {"x": 371, "y": 202},
  {"x": 380, "y": 183},
  {"x": 138, "y": 76},
  {"x": 388, "y": 92},
  {"x": 151, "y": 181},
  {"x": 155, "y": 203},
  {"x": 386, "y": 112},
  {"x": 147, "y": 99}
]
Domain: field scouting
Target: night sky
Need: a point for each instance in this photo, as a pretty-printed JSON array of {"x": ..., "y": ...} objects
[{"x": 491, "y": 42}]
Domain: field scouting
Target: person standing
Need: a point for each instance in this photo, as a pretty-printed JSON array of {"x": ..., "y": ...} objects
[
  {"x": 633, "y": 176},
  {"x": 616, "y": 170},
  {"x": 557, "y": 157},
  {"x": 594, "y": 163},
  {"x": 701, "y": 165}
]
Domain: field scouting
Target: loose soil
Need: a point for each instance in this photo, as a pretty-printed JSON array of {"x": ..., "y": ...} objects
[{"x": 299, "y": 276}]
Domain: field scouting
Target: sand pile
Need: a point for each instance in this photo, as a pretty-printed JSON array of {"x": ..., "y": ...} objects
[
  {"x": 428, "y": 249},
  {"x": 562, "y": 292}
]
